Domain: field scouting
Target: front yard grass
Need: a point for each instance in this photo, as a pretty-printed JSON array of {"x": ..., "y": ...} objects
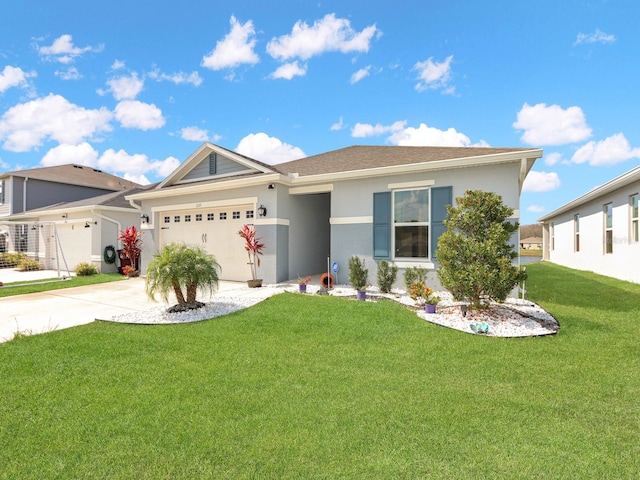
[
  {"x": 304, "y": 386},
  {"x": 36, "y": 286}
]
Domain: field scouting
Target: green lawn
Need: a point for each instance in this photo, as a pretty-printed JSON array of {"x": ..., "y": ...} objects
[
  {"x": 20, "y": 288},
  {"x": 320, "y": 387}
]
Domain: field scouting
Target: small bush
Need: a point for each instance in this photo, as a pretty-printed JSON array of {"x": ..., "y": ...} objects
[
  {"x": 27, "y": 265},
  {"x": 415, "y": 275},
  {"x": 357, "y": 274},
  {"x": 84, "y": 269},
  {"x": 386, "y": 276},
  {"x": 11, "y": 260}
]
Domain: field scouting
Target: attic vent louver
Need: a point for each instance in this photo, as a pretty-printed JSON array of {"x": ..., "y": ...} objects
[
  {"x": 78, "y": 166},
  {"x": 96, "y": 170}
]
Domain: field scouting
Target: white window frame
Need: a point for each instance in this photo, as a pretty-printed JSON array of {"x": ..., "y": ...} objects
[
  {"x": 576, "y": 232},
  {"x": 552, "y": 236},
  {"x": 410, "y": 224},
  {"x": 607, "y": 211},
  {"x": 634, "y": 204}
]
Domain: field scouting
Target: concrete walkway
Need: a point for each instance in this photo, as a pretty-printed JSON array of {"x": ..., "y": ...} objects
[{"x": 56, "y": 309}]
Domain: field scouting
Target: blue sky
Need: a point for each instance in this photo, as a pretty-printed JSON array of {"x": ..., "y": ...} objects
[{"x": 135, "y": 87}]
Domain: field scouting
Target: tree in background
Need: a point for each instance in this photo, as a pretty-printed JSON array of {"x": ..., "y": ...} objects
[
  {"x": 475, "y": 253},
  {"x": 183, "y": 270}
]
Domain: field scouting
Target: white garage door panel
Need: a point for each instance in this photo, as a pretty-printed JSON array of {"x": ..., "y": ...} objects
[
  {"x": 75, "y": 241},
  {"x": 218, "y": 235}
]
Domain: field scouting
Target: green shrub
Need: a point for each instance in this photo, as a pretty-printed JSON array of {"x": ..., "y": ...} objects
[
  {"x": 386, "y": 276},
  {"x": 84, "y": 269},
  {"x": 474, "y": 252},
  {"x": 358, "y": 274},
  {"x": 28, "y": 265},
  {"x": 415, "y": 275},
  {"x": 11, "y": 260}
]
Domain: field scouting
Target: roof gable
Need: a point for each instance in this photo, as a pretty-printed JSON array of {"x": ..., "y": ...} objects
[{"x": 211, "y": 162}]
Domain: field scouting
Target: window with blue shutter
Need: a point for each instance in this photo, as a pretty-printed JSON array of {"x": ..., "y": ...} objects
[
  {"x": 382, "y": 225},
  {"x": 440, "y": 198}
]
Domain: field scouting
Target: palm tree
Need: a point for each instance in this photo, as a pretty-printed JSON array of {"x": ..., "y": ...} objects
[{"x": 178, "y": 266}]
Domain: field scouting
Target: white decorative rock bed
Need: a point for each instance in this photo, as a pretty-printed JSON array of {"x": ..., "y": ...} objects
[{"x": 513, "y": 318}]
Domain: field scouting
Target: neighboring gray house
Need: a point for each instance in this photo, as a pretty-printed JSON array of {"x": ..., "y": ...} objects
[
  {"x": 375, "y": 202},
  {"x": 63, "y": 199},
  {"x": 598, "y": 231},
  {"x": 83, "y": 228}
]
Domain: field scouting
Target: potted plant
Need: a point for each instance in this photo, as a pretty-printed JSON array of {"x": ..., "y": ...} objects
[
  {"x": 358, "y": 277},
  {"x": 302, "y": 283},
  {"x": 430, "y": 304},
  {"x": 129, "y": 271},
  {"x": 253, "y": 246},
  {"x": 131, "y": 239}
]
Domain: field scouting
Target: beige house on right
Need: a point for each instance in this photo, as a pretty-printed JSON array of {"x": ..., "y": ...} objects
[{"x": 598, "y": 231}]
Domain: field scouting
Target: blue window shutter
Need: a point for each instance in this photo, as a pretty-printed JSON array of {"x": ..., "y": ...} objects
[
  {"x": 382, "y": 225},
  {"x": 440, "y": 198}
]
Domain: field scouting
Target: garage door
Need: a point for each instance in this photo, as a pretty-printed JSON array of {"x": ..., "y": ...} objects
[{"x": 215, "y": 229}]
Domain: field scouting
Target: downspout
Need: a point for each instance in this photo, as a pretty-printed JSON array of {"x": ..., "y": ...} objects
[{"x": 24, "y": 194}]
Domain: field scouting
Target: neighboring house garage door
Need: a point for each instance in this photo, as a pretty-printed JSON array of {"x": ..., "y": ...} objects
[
  {"x": 75, "y": 241},
  {"x": 215, "y": 229}
]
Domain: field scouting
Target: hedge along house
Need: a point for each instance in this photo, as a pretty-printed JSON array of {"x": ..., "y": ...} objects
[
  {"x": 598, "y": 231},
  {"x": 376, "y": 202}
]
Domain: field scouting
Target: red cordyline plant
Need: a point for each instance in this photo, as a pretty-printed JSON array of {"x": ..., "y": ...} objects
[
  {"x": 131, "y": 240},
  {"x": 253, "y": 246}
]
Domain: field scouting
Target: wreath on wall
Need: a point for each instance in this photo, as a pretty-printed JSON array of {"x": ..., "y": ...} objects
[{"x": 109, "y": 254}]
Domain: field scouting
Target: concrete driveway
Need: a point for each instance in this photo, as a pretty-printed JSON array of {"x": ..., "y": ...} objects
[{"x": 44, "y": 312}]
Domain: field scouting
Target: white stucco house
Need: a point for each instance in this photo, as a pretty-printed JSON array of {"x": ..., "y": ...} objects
[
  {"x": 377, "y": 202},
  {"x": 598, "y": 231}
]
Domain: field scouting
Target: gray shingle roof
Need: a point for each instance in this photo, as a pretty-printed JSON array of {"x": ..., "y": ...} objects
[
  {"x": 365, "y": 157},
  {"x": 75, "y": 175}
]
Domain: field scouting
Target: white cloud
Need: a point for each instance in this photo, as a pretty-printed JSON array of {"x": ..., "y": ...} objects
[
  {"x": 535, "y": 208},
  {"x": 63, "y": 50},
  {"x": 434, "y": 75},
  {"x": 178, "y": 78},
  {"x": 117, "y": 65},
  {"x": 235, "y": 49},
  {"x": 81, "y": 154},
  {"x": 330, "y": 34},
  {"x": 126, "y": 87},
  {"x": 339, "y": 125},
  {"x": 552, "y": 158},
  {"x": 610, "y": 151},
  {"x": 136, "y": 167},
  {"x": 69, "y": 74},
  {"x": 194, "y": 134},
  {"x": 596, "y": 37},
  {"x": 361, "y": 130},
  {"x": 14, "y": 77},
  {"x": 431, "y": 136},
  {"x": 27, "y": 125},
  {"x": 268, "y": 149},
  {"x": 552, "y": 125},
  {"x": 290, "y": 70},
  {"x": 135, "y": 114},
  {"x": 541, "y": 182},
  {"x": 360, "y": 74}
]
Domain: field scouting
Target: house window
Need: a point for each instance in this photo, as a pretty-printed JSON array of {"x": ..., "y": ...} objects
[
  {"x": 198, "y": 217},
  {"x": 1, "y": 192},
  {"x": 608, "y": 228},
  {"x": 213, "y": 163},
  {"x": 552, "y": 236},
  {"x": 576, "y": 230},
  {"x": 210, "y": 217},
  {"x": 187, "y": 218},
  {"x": 222, "y": 216},
  {"x": 635, "y": 234},
  {"x": 249, "y": 213},
  {"x": 411, "y": 223},
  {"x": 236, "y": 215},
  {"x": 176, "y": 219},
  {"x": 167, "y": 219}
]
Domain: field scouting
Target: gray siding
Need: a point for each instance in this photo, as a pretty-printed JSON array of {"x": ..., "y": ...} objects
[
  {"x": 224, "y": 166},
  {"x": 5, "y": 208}
]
